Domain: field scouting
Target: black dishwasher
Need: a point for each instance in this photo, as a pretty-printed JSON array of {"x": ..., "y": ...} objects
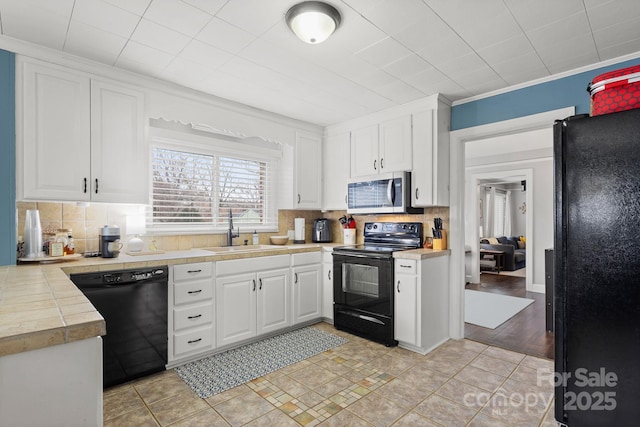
[{"x": 133, "y": 304}]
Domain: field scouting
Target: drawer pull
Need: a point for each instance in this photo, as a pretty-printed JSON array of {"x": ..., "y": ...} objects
[
  {"x": 194, "y": 317},
  {"x": 405, "y": 266},
  {"x": 194, "y": 271},
  {"x": 195, "y": 292},
  {"x": 194, "y": 341}
]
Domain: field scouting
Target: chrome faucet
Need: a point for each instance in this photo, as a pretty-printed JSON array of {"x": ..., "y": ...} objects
[{"x": 230, "y": 234}]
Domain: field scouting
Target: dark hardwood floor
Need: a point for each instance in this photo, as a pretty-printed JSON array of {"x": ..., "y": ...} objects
[{"x": 526, "y": 331}]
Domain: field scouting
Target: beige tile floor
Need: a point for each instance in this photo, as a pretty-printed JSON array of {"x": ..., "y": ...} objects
[{"x": 360, "y": 383}]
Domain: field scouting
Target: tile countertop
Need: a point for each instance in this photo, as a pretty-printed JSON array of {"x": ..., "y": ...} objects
[
  {"x": 419, "y": 254},
  {"x": 40, "y": 307}
]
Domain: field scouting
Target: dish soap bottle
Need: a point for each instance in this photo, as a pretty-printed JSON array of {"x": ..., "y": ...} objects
[{"x": 255, "y": 237}]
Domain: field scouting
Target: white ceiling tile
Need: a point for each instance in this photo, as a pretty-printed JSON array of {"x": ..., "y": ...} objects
[
  {"x": 183, "y": 71},
  {"x": 540, "y": 13},
  {"x": 399, "y": 91},
  {"x": 519, "y": 64},
  {"x": 225, "y": 36},
  {"x": 159, "y": 37},
  {"x": 27, "y": 21},
  {"x": 93, "y": 43},
  {"x": 178, "y": 16},
  {"x": 506, "y": 49},
  {"x": 255, "y": 16},
  {"x": 105, "y": 16},
  {"x": 603, "y": 14},
  {"x": 618, "y": 33},
  {"x": 204, "y": 54},
  {"x": 210, "y": 6},
  {"x": 356, "y": 33},
  {"x": 383, "y": 52},
  {"x": 427, "y": 81},
  {"x": 437, "y": 51},
  {"x": 576, "y": 25},
  {"x": 408, "y": 66},
  {"x": 619, "y": 49},
  {"x": 143, "y": 59},
  {"x": 392, "y": 16},
  {"x": 135, "y": 6},
  {"x": 461, "y": 65},
  {"x": 362, "y": 6}
]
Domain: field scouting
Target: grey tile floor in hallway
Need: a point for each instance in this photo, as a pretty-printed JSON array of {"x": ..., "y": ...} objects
[{"x": 360, "y": 383}]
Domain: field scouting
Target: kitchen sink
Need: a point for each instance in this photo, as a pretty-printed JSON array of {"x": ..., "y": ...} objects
[{"x": 248, "y": 248}]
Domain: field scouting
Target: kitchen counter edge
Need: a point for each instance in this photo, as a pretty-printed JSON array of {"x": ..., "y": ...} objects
[{"x": 40, "y": 307}]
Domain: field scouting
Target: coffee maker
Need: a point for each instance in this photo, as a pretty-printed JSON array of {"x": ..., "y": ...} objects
[{"x": 110, "y": 244}]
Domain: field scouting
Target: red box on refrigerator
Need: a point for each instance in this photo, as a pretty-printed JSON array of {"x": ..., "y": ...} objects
[{"x": 617, "y": 90}]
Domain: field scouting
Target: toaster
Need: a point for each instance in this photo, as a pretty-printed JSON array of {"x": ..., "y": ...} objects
[{"x": 321, "y": 231}]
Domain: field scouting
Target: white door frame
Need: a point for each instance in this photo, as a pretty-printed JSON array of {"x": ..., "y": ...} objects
[
  {"x": 458, "y": 139},
  {"x": 527, "y": 175}
]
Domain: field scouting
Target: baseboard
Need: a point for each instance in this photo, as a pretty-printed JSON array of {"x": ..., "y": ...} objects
[{"x": 536, "y": 287}]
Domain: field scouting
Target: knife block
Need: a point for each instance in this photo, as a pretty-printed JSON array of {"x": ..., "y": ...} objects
[{"x": 440, "y": 244}]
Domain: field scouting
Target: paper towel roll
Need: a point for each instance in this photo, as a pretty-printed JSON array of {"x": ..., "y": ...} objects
[{"x": 298, "y": 230}]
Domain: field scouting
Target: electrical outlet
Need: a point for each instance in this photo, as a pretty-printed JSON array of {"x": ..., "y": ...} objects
[{"x": 291, "y": 234}]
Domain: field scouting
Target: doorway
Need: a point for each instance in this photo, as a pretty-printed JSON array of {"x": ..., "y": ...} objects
[{"x": 458, "y": 198}]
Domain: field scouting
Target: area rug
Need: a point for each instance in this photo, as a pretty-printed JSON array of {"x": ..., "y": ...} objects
[
  {"x": 490, "y": 310},
  {"x": 229, "y": 369},
  {"x": 522, "y": 272}
]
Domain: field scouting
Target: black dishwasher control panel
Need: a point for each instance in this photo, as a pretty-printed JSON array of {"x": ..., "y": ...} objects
[{"x": 117, "y": 277}]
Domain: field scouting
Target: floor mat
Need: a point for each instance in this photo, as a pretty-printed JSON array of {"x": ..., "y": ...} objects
[
  {"x": 490, "y": 310},
  {"x": 229, "y": 369}
]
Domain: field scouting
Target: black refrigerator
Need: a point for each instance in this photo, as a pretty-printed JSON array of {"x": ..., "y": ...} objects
[{"x": 597, "y": 270}]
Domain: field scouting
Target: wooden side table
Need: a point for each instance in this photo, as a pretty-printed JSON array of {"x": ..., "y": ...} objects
[{"x": 498, "y": 256}]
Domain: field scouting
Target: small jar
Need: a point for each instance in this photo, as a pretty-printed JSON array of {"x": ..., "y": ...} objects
[
  {"x": 65, "y": 235},
  {"x": 47, "y": 239}
]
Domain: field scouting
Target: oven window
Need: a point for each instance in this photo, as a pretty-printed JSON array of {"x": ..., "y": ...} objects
[{"x": 360, "y": 280}]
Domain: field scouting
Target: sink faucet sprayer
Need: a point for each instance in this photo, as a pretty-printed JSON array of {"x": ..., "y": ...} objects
[{"x": 230, "y": 234}]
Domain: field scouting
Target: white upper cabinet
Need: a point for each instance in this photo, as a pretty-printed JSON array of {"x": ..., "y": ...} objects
[
  {"x": 78, "y": 138},
  {"x": 308, "y": 171},
  {"x": 430, "y": 172},
  {"x": 118, "y": 150},
  {"x": 381, "y": 148},
  {"x": 336, "y": 163},
  {"x": 395, "y": 145},
  {"x": 53, "y": 133}
]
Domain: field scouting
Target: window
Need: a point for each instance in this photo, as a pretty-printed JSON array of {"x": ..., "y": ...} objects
[{"x": 193, "y": 188}]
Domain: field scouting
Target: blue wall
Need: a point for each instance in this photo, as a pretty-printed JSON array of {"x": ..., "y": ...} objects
[
  {"x": 7, "y": 159},
  {"x": 564, "y": 92}
]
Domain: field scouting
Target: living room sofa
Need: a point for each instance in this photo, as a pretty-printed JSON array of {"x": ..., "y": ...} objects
[{"x": 514, "y": 252}]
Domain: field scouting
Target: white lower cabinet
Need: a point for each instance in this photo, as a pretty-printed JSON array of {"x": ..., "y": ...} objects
[
  {"x": 327, "y": 284},
  {"x": 307, "y": 284},
  {"x": 421, "y": 303},
  {"x": 252, "y": 297},
  {"x": 191, "y": 316}
]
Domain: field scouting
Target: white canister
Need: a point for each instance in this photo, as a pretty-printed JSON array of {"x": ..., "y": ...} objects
[
  {"x": 349, "y": 236},
  {"x": 298, "y": 230}
]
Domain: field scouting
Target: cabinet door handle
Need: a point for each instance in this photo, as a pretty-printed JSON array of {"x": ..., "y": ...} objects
[
  {"x": 295, "y": 277},
  {"x": 85, "y": 186},
  {"x": 375, "y": 162},
  {"x": 417, "y": 193},
  {"x": 298, "y": 198},
  {"x": 194, "y": 341},
  {"x": 195, "y": 292},
  {"x": 194, "y": 317},
  {"x": 382, "y": 163},
  {"x": 194, "y": 271},
  {"x": 254, "y": 285},
  {"x": 96, "y": 185},
  {"x": 260, "y": 283},
  {"x": 345, "y": 199},
  {"x": 329, "y": 275},
  {"x": 398, "y": 286}
]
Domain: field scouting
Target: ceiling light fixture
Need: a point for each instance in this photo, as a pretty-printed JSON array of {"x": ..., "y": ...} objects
[{"x": 313, "y": 21}]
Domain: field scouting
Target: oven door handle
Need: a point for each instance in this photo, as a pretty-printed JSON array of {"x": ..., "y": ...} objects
[{"x": 351, "y": 254}]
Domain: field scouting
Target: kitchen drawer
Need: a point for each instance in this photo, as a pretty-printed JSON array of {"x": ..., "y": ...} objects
[
  {"x": 406, "y": 266},
  {"x": 188, "y": 292},
  {"x": 193, "y": 341},
  {"x": 193, "y": 315},
  {"x": 306, "y": 258},
  {"x": 248, "y": 265},
  {"x": 199, "y": 270}
]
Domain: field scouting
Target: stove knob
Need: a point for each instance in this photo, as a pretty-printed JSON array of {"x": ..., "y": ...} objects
[{"x": 375, "y": 226}]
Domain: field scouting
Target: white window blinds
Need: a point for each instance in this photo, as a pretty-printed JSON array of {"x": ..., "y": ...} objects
[{"x": 195, "y": 190}]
